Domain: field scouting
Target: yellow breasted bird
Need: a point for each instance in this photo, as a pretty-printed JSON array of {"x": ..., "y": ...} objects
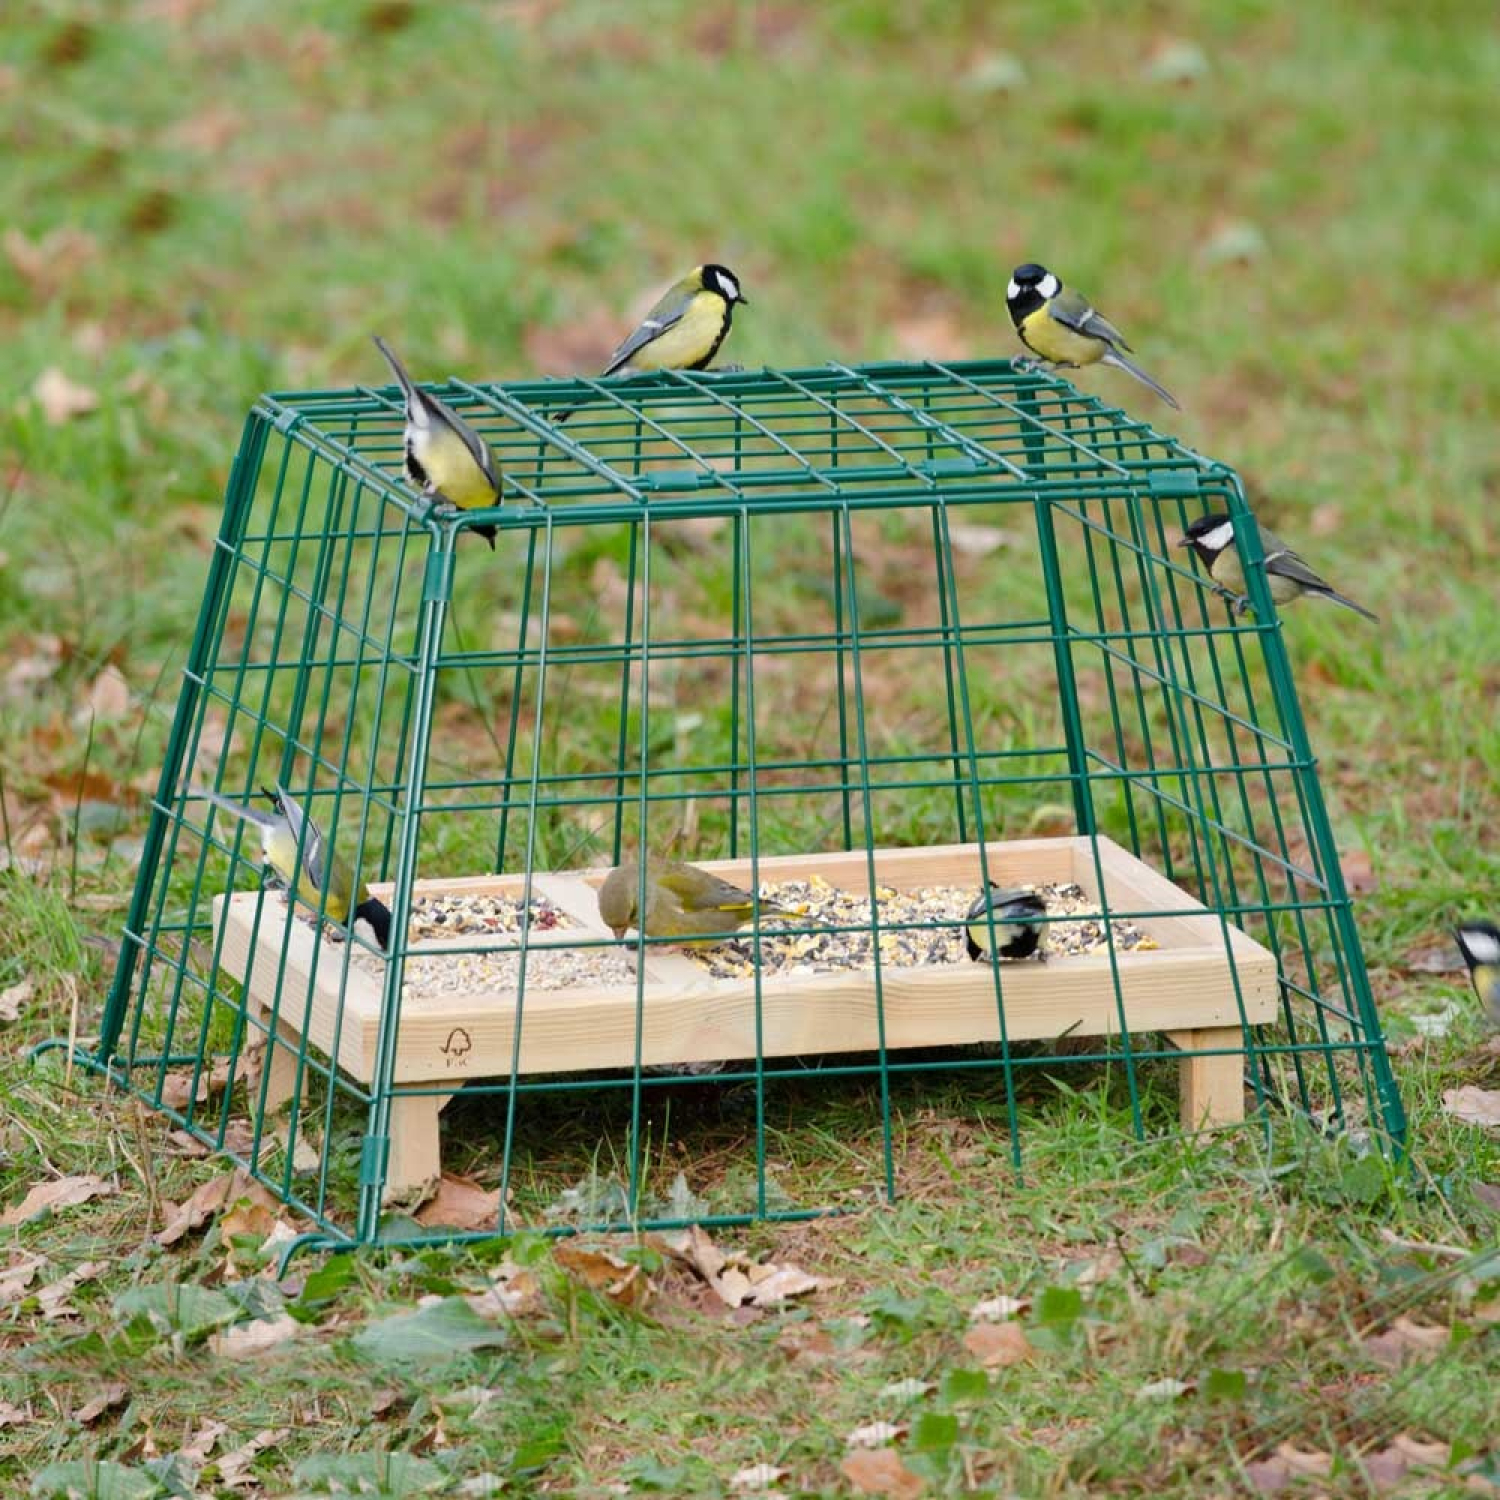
[
  {"x": 1479, "y": 942},
  {"x": 1212, "y": 539},
  {"x": 682, "y": 901},
  {"x": 282, "y": 831},
  {"x": 683, "y": 331},
  {"x": 445, "y": 458},
  {"x": 1062, "y": 327},
  {"x": 1018, "y": 933}
]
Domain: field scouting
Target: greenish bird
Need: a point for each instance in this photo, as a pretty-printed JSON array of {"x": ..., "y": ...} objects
[
  {"x": 1063, "y": 327},
  {"x": 1017, "y": 931},
  {"x": 1212, "y": 539},
  {"x": 1479, "y": 942},
  {"x": 683, "y": 331},
  {"x": 286, "y": 829},
  {"x": 682, "y": 901},
  {"x": 445, "y": 458}
]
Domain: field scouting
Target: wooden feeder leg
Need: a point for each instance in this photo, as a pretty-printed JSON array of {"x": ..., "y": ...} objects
[
  {"x": 281, "y": 1061},
  {"x": 1212, "y": 1088},
  {"x": 416, "y": 1151}
]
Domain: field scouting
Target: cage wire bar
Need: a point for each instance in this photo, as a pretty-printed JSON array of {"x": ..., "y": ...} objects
[{"x": 776, "y": 615}]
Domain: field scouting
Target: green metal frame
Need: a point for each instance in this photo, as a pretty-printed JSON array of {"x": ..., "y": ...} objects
[{"x": 329, "y": 642}]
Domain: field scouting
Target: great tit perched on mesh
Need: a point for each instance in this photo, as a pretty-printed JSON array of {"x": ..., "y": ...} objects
[
  {"x": 1212, "y": 539},
  {"x": 1061, "y": 327},
  {"x": 682, "y": 902},
  {"x": 445, "y": 458},
  {"x": 1479, "y": 942},
  {"x": 683, "y": 331},
  {"x": 1018, "y": 932},
  {"x": 284, "y": 830}
]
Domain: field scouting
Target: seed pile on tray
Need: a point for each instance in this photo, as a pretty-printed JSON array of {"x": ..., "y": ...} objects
[
  {"x": 819, "y": 903},
  {"x": 450, "y": 915}
]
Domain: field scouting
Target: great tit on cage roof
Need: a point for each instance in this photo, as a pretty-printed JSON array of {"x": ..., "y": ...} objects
[
  {"x": 1018, "y": 933},
  {"x": 1479, "y": 942},
  {"x": 1212, "y": 539},
  {"x": 445, "y": 458},
  {"x": 683, "y": 331},
  {"x": 682, "y": 901},
  {"x": 1062, "y": 327},
  {"x": 282, "y": 830}
]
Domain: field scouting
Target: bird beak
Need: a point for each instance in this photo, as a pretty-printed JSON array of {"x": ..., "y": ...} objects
[
  {"x": 743, "y": 301},
  {"x": 1183, "y": 541}
]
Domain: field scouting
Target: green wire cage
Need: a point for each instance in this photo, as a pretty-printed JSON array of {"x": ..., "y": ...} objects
[{"x": 889, "y": 631}]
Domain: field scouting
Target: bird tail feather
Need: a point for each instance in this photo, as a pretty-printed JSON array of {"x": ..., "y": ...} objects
[
  {"x": 1118, "y": 360},
  {"x": 1334, "y": 597}
]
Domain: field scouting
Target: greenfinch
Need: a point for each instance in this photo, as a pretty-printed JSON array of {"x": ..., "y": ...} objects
[{"x": 681, "y": 902}]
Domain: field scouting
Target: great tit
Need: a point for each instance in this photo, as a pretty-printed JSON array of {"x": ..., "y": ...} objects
[
  {"x": 1018, "y": 933},
  {"x": 1062, "y": 327},
  {"x": 1479, "y": 942},
  {"x": 445, "y": 458},
  {"x": 282, "y": 831},
  {"x": 1212, "y": 540},
  {"x": 683, "y": 331},
  {"x": 682, "y": 901}
]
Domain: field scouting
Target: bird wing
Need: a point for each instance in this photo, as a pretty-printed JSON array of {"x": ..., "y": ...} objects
[
  {"x": 311, "y": 841},
  {"x": 700, "y": 891},
  {"x": 1075, "y": 312},
  {"x": 667, "y": 312},
  {"x": 1282, "y": 560}
]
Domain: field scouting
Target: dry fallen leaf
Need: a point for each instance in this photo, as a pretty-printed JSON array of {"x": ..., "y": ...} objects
[
  {"x": 244, "y": 1339},
  {"x": 53, "y": 1301},
  {"x": 624, "y": 1284},
  {"x": 1472, "y": 1105},
  {"x": 906, "y": 1390},
  {"x": 997, "y": 1344},
  {"x": 806, "y": 1344},
  {"x": 15, "y": 1278},
  {"x": 207, "y": 1199},
  {"x": 233, "y": 1465},
  {"x": 62, "y": 399},
  {"x": 1358, "y": 872},
  {"x": 1405, "y": 1338},
  {"x": 513, "y": 1296},
  {"x": 112, "y": 1395},
  {"x": 781, "y": 1283},
  {"x": 997, "y": 1309},
  {"x": 201, "y": 1444},
  {"x": 875, "y": 1434},
  {"x": 109, "y": 694},
  {"x": 13, "y": 997},
  {"x": 461, "y": 1203},
  {"x": 1166, "y": 1389},
  {"x": 177, "y": 1087},
  {"x": 757, "y": 1477},
  {"x": 734, "y": 1279},
  {"x": 50, "y": 261},
  {"x": 880, "y": 1471},
  {"x": 62, "y": 1192}
]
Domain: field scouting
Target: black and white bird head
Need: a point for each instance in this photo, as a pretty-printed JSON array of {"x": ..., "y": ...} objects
[
  {"x": 1208, "y": 536},
  {"x": 1030, "y": 286},
  {"x": 722, "y": 280},
  {"x": 1479, "y": 942}
]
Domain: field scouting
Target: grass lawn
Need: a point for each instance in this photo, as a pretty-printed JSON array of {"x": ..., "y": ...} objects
[{"x": 1293, "y": 213}]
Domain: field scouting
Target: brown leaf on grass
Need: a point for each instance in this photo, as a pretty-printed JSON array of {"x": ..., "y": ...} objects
[
  {"x": 1472, "y": 1105},
  {"x": 1488, "y": 1194},
  {"x": 201, "y": 1444},
  {"x": 1358, "y": 872},
  {"x": 880, "y": 1471},
  {"x": 108, "y": 696},
  {"x": 112, "y": 1395},
  {"x": 233, "y": 1465},
  {"x": 251, "y": 1216},
  {"x": 177, "y": 1089},
  {"x": 19, "y": 1275},
  {"x": 734, "y": 1279},
  {"x": 995, "y": 1345},
  {"x": 515, "y": 1295},
  {"x": 14, "y": 1416},
  {"x": 460, "y": 1203},
  {"x": 13, "y": 997},
  {"x": 874, "y": 1434},
  {"x": 806, "y": 1344},
  {"x": 1436, "y": 958},
  {"x": 62, "y": 399},
  {"x": 244, "y": 1340},
  {"x": 62, "y": 1192},
  {"x": 997, "y": 1309},
  {"x": 71, "y": 788},
  {"x": 624, "y": 1284},
  {"x": 53, "y": 1300},
  {"x": 34, "y": 659},
  {"x": 207, "y": 1199},
  {"x": 757, "y": 1477},
  {"x": 208, "y": 131},
  {"x": 1405, "y": 1338},
  {"x": 47, "y": 263}
]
